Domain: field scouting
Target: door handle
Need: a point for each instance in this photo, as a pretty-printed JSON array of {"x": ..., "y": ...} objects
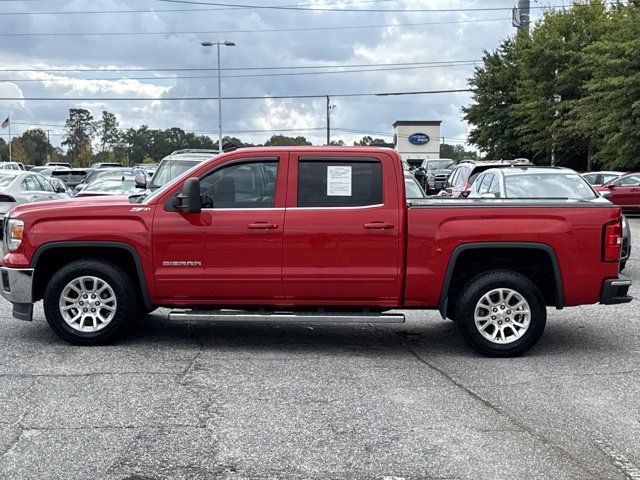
[
  {"x": 262, "y": 226},
  {"x": 378, "y": 225}
]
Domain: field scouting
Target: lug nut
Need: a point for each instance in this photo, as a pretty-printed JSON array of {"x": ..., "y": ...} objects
[
  {"x": 97, "y": 303},
  {"x": 501, "y": 307},
  {"x": 493, "y": 317},
  {"x": 507, "y": 320},
  {"x": 93, "y": 310},
  {"x": 85, "y": 296},
  {"x": 81, "y": 302},
  {"x": 495, "y": 309},
  {"x": 84, "y": 309},
  {"x": 509, "y": 311},
  {"x": 500, "y": 322},
  {"x": 93, "y": 296}
]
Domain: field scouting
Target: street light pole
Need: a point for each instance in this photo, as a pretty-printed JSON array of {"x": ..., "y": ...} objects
[{"x": 226, "y": 43}]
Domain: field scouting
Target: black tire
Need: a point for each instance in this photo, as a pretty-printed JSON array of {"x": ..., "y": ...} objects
[
  {"x": 484, "y": 283},
  {"x": 122, "y": 286}
]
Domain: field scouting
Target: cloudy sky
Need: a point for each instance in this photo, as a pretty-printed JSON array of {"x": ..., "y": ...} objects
[{"x": 164, "y": 35}]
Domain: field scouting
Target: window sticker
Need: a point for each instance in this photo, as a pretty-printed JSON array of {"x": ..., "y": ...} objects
[{"x": 338, "y": 181}]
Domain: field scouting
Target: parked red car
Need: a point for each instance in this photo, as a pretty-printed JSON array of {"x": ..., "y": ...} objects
[
  {"x": 315, "y": 234},
  {"x": 624, "y": 191}
]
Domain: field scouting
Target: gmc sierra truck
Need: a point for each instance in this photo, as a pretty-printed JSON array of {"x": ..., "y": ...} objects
[{"x": 310, "y": 234}]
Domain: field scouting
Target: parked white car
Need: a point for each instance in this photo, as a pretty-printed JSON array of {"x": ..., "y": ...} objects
[
  {"x": 531, "y": 182},
  {"x": 18, "y": 187}
]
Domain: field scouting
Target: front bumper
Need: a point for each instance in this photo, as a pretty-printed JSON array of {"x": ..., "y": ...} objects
[
  {"x": 614, "y": 290},
  {"x": 17, "y": 287}
]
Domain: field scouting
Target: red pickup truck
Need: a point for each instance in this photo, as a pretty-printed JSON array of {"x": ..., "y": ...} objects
[{"x": 315, "y": 234}]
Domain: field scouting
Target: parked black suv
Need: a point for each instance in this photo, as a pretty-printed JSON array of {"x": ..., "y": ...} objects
[
  {"x": 433, "y": 174},
  {"x": 459, "y": 182}
]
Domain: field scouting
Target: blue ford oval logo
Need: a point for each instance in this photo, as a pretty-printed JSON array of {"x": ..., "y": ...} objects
[{"x": 419, "y": 138}]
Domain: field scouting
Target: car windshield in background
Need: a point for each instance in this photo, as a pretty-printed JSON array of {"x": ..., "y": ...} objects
[
  {"x": 170, "y": 169},
  {"x": 548, "y": 185},
  {"x": 440, "y": 165},
  {"x": 111, "y": 185}
]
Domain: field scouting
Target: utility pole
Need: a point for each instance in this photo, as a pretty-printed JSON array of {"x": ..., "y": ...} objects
[
  {"x": 521, "y": 15},
  {"x": 48, "y": 146},
  {"x": 329, "y": 108},
  {"x": 226, "y": 43},
  {"x": 10, "y": 157}
]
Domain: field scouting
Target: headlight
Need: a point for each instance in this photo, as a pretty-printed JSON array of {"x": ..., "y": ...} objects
[{"x": 14, "y": 230}]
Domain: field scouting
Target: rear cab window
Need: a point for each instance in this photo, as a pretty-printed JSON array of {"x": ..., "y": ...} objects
[{"x": 339, "y": 182}]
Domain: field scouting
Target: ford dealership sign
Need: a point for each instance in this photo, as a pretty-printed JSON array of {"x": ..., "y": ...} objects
[{"x": 419, "y": 138}]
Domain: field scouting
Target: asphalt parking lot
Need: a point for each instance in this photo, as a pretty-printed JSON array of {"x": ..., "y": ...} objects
[{"x": 323, "y": 401}]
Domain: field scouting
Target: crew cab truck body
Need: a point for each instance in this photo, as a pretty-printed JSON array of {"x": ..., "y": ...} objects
[{"x": 318, "y": 233}]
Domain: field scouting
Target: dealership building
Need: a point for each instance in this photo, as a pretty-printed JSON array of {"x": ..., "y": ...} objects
[{"x": 417, "y": 139}]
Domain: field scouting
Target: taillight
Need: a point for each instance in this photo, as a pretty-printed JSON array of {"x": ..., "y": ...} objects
[
  {"x": 612, "y": 241},
  {"x": 7, "y": 198}
]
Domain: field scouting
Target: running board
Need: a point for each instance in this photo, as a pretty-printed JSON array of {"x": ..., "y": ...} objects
[{"x": 244, "y": 316}]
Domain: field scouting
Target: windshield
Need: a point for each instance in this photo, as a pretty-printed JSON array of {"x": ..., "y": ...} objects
[
  {"x": 5, "y": 180},
  {"x": 548, "y": 185},
  {"x": 111, "y": 185},
  {"x": 412, "y": 188},
  {"x": 439, "y": 165},
  {"x": 170, "y": 169},
  {"x": 158, "y": 191}
]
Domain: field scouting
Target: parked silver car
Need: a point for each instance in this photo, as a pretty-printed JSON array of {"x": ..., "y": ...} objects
[{"x": 18, "y": 187}]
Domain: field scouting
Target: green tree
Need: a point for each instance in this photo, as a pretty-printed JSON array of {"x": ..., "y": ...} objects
[
  {"x": 36, "y": 146},
  {"x": 107, "y": 130},
  {"x": 79, "y": 130},
  {"x": 609, "y": 112},
  {"x": 368, "y": 141},
  {"x": 456, "y": 152},
  {"x": 494, "y": 97},
  {"x": 4, "y": 150},
  {"x": 284, "y": 141},
  {"x": 18, "y": 153},
  {"x": 552, "y": 81}
]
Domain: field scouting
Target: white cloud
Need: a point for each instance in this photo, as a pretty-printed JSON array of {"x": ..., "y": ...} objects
[{"x": 462, "y": 41}]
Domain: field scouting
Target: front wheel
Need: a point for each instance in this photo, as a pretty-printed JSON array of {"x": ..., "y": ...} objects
[
  {"x": 90, "y": 302},
  {"x": 501, "y": 313}
]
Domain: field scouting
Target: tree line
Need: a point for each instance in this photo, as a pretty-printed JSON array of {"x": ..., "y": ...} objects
[
  {"x": 567, "y": 94},
  {"x": 87, "y": 140}
]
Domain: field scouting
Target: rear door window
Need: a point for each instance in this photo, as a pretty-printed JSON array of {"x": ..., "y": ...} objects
[
  {"x": 486, "y": 181},
  {"x": 495, "y": 186},
  {"x": 339, "y": 182},
  {"x": 630, "y": 181},
  {"x": 44, "y": 184},
  {"x": 30, "y": 184}
]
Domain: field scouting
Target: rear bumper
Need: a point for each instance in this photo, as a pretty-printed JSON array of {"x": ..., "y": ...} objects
[
  {"x": 614, "y": 290},
  {"x": 17, "y": 287}
]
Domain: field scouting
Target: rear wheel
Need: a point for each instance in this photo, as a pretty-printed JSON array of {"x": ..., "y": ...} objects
[
  {"x": 90, "y": 302},
  {"x": 501, "y": 313}
]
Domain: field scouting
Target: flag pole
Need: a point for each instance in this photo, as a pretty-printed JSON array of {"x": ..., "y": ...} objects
[{"x": 9, "y": 117}]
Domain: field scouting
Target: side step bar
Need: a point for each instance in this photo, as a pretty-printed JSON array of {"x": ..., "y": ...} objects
[{"x": 321, "y": 317}]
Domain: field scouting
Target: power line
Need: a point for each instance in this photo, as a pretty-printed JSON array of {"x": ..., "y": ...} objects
[
  {"x": 171, "y": 10},
  {"x": 360, "y": 10},
  {"x": 202, "y": 98},
  {"x": 266, "y": 30},
  {"x": 181, "y": 77},
  {"x": 206, "y": 69}
]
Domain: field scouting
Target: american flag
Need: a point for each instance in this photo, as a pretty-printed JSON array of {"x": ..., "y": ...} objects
[{"x": 5, "y": 124}]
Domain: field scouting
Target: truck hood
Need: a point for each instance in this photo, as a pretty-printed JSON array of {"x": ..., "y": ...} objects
[{"x": 79, "y": 205}]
